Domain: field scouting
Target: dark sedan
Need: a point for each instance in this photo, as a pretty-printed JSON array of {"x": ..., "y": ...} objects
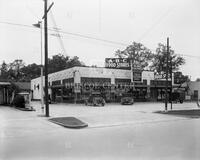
[
  {"x": 95, "y": 100},
  {"x": 127, "y": 99}
]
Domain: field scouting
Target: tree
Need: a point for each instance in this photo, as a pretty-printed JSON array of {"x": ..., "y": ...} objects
[
  {"x": 179, "y": 78},
  {"x": 4, "y": 71},
  {"x": 30, "y": 71},
  {"x": 60, "y": 62},
  {"x": 138, "y": 52},
  {"x": 198, "y": 80},
  {"x": 94, "y": 66},
  {"x": 18, "y": 71},
  {"x": 57, "y": 63},
  {"x": 160, "y": 59},
  {"x": 14, "y": 71},
  {"x": 74, "y": 61}
]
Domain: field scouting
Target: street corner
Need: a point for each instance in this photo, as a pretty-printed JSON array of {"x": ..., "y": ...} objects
[{"x": 69, "y": 122}]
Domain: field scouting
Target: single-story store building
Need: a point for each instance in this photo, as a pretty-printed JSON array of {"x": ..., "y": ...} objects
[
  {"x": 8, "y": 89},
  {"x": 192, "y": 90},
  {"x": 79, "y": 82},
  {"x": 4, "y": 97}
]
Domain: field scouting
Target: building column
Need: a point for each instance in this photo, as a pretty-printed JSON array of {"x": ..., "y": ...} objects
[
  {"x": 148, "y": 92},
  {"x": 112, "y": 88},
  {"x": 4, "y": 95},
  {"x": 61, "y": 94},
  {"x": 77, "y": 83},
  {"x": 7, "y": 96}
]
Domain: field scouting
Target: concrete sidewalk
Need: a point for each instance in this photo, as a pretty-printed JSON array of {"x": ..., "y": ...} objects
[
  {"x": 114, "y": 132},
  {"x": 114, "y": 114}
]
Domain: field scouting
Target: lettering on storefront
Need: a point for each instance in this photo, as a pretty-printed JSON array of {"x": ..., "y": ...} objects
[{"x": 161, "y": 76}]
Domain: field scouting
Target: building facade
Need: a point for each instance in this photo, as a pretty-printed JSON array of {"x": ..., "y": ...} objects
[
  {"x": 78, "y": 83},
  {"x": 4, "y": 97},
  {"x": 193, "y": 91}
]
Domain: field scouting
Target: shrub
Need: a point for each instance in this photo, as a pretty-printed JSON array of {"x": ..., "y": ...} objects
[{"x": 19, "y": 101}]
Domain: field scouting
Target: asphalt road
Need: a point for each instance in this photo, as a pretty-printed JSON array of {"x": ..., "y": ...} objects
[{"x": 114, "y": 132}]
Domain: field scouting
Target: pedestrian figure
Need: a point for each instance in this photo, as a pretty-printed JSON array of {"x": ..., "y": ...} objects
[{"x": 198, "y": 103}]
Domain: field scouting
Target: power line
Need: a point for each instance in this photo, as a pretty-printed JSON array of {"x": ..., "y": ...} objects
[
  {"x": 87, "y": 37},
  {"x": 161, "y": 18},
  {"x": 70, "y": 33},
  {"x": 17, "y": 24},
  {"x": 57, "y": 30},
  {"x": 189, "y": 56}
]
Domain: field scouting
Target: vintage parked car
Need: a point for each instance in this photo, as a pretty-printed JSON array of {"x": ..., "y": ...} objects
[
  {"x": 22, "y": 101},
  {"x": 127, "y": 98},
  {"x": 177, "y": 97},
  {"x": 95, "y": 100}
]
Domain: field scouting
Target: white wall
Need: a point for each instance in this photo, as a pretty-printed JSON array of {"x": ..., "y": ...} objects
[
  {"x": 194, "y": 86},
  {"x": 36, "y": 91},
  {"x": 112, "y": 73},
  {"x": 79, "y": 72}
]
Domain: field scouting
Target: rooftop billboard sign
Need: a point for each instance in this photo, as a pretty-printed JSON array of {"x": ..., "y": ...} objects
[
  {"x": 137, "y": 75},
  {"x": 118, "y": 63}
]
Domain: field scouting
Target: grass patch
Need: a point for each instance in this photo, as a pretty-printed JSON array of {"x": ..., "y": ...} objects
[
  {"x": 195, "y": 113},
  {"x": 69, "y": 122},
  {"x": 25, "y": 109}
]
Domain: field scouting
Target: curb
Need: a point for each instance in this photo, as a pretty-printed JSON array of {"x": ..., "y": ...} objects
[
  {"x": 79, "y": 124},
  {"x": 25, "y": 109}
]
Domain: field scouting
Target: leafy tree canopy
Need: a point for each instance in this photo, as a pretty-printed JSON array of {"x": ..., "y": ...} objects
[
  {"x": 59, "y": 62},
  {"x": 198, "y": 80},
  {"x": 179, "y": 78},
  {"x": 18, "y": 71},
  {"x": 138, "y": 52},
  {"x": 159, "y": 62},
  {"x": 4, "y": 70}
]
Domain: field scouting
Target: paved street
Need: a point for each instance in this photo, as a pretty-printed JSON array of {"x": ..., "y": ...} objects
[{"x": 114, "y": 132}]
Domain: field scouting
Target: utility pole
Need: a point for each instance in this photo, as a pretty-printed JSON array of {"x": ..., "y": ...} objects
[
  {"x": 46, "y": 59},
  {"x": 39, "y": 25},
  {"x": 132, "y": 61},
  {"x": 42, "y": 97},
  {"x": 167, "y": 68},
  {"x": 171, "y": 79}
]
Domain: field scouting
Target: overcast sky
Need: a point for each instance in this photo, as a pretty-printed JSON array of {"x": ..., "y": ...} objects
[{"x": 123, "y": 21}]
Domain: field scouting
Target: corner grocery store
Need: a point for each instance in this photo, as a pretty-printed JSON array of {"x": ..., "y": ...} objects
[{"x": 77, "y": 83}]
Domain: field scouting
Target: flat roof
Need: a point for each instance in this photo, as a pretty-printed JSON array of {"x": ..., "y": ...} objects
[{"x": 5, "y": 83}]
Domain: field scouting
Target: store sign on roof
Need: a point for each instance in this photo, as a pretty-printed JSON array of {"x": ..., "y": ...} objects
[
  {"x": 161, "y": 76},
  {"x": 137, "y": 76},
  {"x": 117, "y": 63}
]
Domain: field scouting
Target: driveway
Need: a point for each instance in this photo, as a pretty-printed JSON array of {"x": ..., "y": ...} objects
[
  {"x": 115, "y": 114},
  {"x": 115, "y": 132}
]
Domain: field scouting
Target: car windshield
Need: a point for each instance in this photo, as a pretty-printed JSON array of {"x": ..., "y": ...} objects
[
  {"x": 127, "y": 95},
  {"x": 96, "y": 95}
]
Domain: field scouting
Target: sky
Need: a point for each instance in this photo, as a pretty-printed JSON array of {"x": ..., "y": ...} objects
[{"x": 122, "y": 21}]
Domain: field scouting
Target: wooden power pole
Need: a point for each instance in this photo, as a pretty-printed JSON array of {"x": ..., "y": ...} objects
[
  {"x": 46, "y": 59},
  {"x": 167, "y": 69}
]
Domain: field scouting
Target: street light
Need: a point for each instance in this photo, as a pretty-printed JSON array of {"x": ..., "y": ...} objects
[{"x": 39, "y": 25}]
